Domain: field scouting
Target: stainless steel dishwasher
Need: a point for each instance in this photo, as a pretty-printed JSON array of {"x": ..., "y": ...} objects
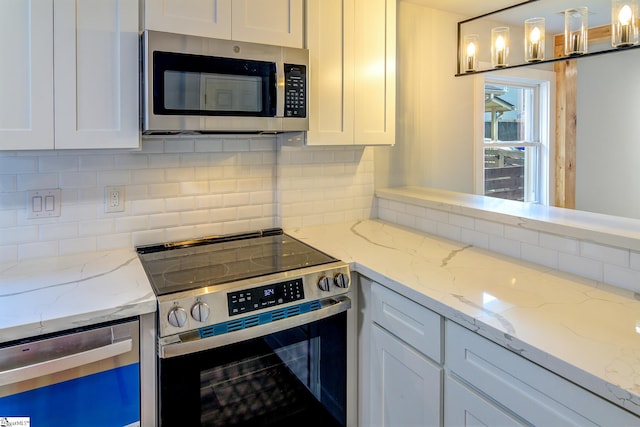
[{"x": 84, "y": 377}]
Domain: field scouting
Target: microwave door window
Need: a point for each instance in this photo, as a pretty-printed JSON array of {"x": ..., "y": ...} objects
[
  {"x": 231, "y": 93},
  {"x": 181, "y": 90}
]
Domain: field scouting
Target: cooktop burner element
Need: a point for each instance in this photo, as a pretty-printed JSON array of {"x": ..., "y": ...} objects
[{"x": 194, "y": 264}]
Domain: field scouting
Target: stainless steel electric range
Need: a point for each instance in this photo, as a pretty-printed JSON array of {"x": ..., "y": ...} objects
[{"x": 252, "y": 330}]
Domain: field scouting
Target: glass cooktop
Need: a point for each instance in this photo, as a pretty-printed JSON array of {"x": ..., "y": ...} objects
[{"x": 181, "y": 266}]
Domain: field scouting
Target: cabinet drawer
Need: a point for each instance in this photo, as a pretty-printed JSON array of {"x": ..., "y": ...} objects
[
  {"x": 533, "y": 393},
  {"x": 416, "y": 325}
]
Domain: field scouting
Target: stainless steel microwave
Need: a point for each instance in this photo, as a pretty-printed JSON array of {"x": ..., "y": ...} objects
[{"x": 200, "y": 85}]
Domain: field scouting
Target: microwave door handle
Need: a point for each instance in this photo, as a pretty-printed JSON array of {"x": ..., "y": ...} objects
[{"x": 71, "y": 361}]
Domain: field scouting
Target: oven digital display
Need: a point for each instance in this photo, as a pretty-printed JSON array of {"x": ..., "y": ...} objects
[{"x": 248, "y": 300}]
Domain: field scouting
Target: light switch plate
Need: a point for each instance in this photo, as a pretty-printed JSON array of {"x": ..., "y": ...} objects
[{"x": 43, "y": 203}]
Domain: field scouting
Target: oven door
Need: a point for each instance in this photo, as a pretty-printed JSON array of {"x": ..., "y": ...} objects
[{"x": 294, "y": 376}]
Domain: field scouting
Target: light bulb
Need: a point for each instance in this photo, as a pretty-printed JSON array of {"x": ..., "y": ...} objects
[
  {"x": 625, "y": 15},
  {"x": 535, "y": 35},
  {"x": 500, "y": 43},
  {"x": 471, "y": 49}
]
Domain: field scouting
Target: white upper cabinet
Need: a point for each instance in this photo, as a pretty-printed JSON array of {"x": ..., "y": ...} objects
[
  {"x": 276, "y": 22},
  {"x": 96, "y": 74},
  {"x": 204, "y": 18},
  {"x": 352, "y": 47},
  {"x": 83, "y": 51},
  {"x": 26, "y": 86}
]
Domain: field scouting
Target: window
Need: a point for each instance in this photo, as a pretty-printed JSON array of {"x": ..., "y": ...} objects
[{"x": 513, "y": 144}]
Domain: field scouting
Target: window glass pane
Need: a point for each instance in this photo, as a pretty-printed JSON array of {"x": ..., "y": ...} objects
[
  {"x": 511, "y": 173},
  {"x": 508, "y": 113}
]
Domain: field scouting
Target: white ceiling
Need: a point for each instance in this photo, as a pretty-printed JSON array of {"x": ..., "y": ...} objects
[
  {"x": 599, "y": 10},
  {"x": 467, "y": 8}
]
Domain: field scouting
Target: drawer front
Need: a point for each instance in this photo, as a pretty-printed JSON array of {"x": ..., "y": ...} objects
[
  {"x": 416, "y": 325},
  {"x": 534, "y": 393}
]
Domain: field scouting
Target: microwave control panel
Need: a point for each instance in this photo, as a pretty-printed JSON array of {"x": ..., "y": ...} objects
[{"x": 295, "y": 90}]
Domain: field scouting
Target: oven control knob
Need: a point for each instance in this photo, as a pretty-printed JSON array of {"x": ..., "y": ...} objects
[
  {"x": 323, "y": 283},
  {"x": 177, "y": 317},
  {"x": 341, "y": 280},
  {"x": 200, "y": 311}
]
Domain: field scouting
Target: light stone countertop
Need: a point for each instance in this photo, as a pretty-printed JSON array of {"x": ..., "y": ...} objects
[
  {"x": 580, "y": 329},
  {"x": 47, "y": 295}
]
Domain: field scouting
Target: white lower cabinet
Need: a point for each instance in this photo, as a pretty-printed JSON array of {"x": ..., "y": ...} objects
[
  {"x": 405, "y": 385},
  {"x": 401, "y": 361},
  {"x": 418, "y": 369},
  {"x": 517, "y": 389}
]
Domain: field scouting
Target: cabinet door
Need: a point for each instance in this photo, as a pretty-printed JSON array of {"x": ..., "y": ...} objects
[
  {"x": 96, "y": 74},
  {"x": 277, "y": 22},
  {"x": 406, "y": 387},
  {"x": 465, "y": 408},
  {"x": 374, "y": 69},
  {"x": 26, "y": 76},
  {"x": 330, "y": 44},
  {"x": 204, "y": 18},
  {"x": 352, "y": 49}
]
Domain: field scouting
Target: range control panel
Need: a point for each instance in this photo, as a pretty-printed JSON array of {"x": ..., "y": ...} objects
[
  {"x": 248, "y": 300},
  {"x": 295, "y": 82}
]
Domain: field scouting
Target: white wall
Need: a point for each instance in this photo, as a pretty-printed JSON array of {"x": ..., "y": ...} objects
[
  {"x": 177, "y": 189},
  {"x": 608, "y": 134},
  {"x": 434, "y": 134}
]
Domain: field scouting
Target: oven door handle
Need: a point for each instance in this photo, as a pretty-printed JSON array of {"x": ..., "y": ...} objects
[
  {"x": 48, "y": 367},
  {"x": 191, "y": 342}
]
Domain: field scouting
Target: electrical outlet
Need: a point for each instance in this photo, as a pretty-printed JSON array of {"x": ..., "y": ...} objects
[
  {"x": 43, "y": 203},
  {"x": 114, "y": 199}
]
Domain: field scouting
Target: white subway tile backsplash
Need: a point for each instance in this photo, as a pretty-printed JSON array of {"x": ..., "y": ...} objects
[
  {"x": 449, "y": 231},
  {"x": 489, "y": 227},
  {"x": 31, "y": 181},
  {"x": 559, "y": 243},
  {"x": 622, "y": 277},
  {"x": 79, "y": 245},
  {"x": 151, "y": 206},
  {"x": 504, "y": 246},
  {"x": 58, "y": 164},
  {"x": 539, "y": 255},
  {"x": 194, "y": 217},
  {"x": 58, "y": 231},
  {"x": 78, "y": 180},
  {"x": 180, "y": 204},
  {"x": 521, "y": 234},
  {"x": 634, "y": 262},
  {"x": 38, "y": 250},
  {"x": 208, "y": 145},
  {"x": 475, "y": 238},
  {"x": 175, "y": 145},
  {"x": 606, "y": 254},
  {"x": 18, "y": 165},
  {"x": 581, "y": 266},
  {"x": 462, "y": 221},
  {"x": 176, "y": 188}
]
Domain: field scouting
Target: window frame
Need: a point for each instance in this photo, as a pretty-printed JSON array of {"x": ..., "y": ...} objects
[{"x": 544, "y": 82}]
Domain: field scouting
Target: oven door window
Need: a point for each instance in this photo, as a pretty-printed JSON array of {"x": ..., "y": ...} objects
[
  {"x": 212, "y": 86},
  {"x": 293, "y": 377}
]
